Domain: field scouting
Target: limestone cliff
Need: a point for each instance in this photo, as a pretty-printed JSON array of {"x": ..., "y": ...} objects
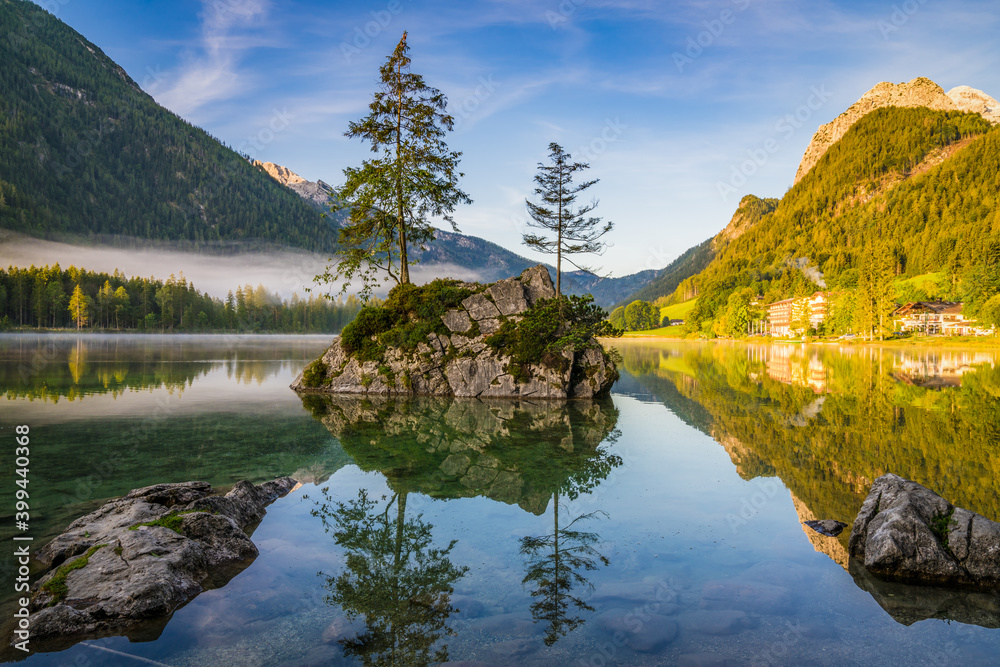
[
  {"x": 750, "y": 211},
  {"x": 283, "y": 175},
  {"x": 460, "y": 356},
  {"x": 920, "y": 92}
]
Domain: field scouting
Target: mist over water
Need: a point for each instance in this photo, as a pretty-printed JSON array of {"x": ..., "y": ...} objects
[{"x": 282, "y": 271}]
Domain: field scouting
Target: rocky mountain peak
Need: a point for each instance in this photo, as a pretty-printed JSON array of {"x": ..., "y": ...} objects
[
  {"x": 920, "y": 92},
  {"x": 283, "y": 175},
  {"x": 976, "y": 101}
]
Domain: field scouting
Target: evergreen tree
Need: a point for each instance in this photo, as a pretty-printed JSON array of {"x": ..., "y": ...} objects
[
  {"x": 79, "y": 305},
  {"x": 575, "y": 233},
  {"x": 390, "y": 198}
]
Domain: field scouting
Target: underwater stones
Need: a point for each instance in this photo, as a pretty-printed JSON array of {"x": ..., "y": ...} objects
[
  {"x": 756, "y": 597},
  {"x": 719, "y": 623},
  {"x": 643, "y": 633},
  {"x": 906, "y": 532}
]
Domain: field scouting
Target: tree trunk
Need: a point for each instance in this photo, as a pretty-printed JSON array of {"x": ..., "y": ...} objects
[{"x": 404, "y": 268}]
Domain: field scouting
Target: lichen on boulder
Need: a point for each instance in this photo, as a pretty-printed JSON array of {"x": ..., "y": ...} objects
[
  {"x": 513, "y": 338},
  {"x": 126, "y": 567}
]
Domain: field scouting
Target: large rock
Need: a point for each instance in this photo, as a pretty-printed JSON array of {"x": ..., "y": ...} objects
[
  {"x": 906, "y": 532},
  {"x": 112, "y": 575},
  {"x": 462, "y": 364}
]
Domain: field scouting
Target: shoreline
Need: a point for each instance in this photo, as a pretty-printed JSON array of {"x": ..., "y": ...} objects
[{"x": 987, "y": 342}]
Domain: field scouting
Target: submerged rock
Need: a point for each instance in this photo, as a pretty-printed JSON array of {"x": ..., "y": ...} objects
[
  {"x": 828, "y": 527},
  {"x": 906, "y": 532},
  {"x": 126, "y": 567},
  {"x": 455, "y": 358}
]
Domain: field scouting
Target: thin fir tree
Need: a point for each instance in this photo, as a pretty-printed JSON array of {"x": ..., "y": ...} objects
[
  {"x": 570, "y": 230},
  {"x": 391, "y": 198}
]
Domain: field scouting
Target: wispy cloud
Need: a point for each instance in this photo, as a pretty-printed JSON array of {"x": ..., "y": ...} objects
[{"x": 211, "y": 69}]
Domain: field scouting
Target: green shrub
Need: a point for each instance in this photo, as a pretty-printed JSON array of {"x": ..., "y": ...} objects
[
  {"x": 356, "y": 338},
  {"x": 314, "y": 374},
  {"x": 546, "y": 330}
]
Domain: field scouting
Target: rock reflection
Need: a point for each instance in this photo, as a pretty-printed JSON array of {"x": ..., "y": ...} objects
[
  {"x": 908, "y": 604},
  {"x": 514, "y": 452}
]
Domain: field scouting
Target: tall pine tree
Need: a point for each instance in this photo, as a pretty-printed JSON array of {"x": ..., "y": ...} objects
[
  {"x": 391, "y": 198},
  {"x": 574, "y": 232}
]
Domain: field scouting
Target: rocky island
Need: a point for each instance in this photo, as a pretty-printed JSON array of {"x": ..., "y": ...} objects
[{"x": 510, "y": 339}]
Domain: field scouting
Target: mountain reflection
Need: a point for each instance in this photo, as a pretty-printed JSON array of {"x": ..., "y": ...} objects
[
  {"x": 514, "y": 452},
  {"x": 829, "y": 421}
]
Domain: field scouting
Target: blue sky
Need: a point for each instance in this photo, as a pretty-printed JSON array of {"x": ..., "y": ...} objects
[{"x": 663, "y": 99}]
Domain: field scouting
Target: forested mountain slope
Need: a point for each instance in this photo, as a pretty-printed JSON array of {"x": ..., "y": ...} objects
[
  {"x": 912, "y": 186},
  {"x": 85, "y": 153}
]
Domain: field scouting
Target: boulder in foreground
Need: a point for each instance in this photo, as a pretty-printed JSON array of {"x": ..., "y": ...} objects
[
  {"x": 126, "y": 567},
  {"x": 906, "y": 532}
]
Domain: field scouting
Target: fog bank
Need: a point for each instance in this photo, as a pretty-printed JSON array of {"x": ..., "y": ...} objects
[{"x": 283, "y": 271}]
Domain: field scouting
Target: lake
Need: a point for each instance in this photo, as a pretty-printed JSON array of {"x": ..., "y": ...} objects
[{"x": 661, "y": 525}]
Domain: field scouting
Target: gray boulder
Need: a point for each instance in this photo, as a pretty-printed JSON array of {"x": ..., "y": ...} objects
[
  {"x": 126, "y": 567},
  {"x": 906, "y": 532}
]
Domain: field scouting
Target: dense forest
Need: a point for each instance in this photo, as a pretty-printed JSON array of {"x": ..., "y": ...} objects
[
  {"x": 907, "y": 193},
  {"x": 52, "y": 297},
  {"x": 84, "y": 152}
]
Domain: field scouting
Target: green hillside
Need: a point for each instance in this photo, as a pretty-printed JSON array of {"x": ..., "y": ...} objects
[
  {"x": 85, "y": 153},
  {"x": 914, "y": 187}
]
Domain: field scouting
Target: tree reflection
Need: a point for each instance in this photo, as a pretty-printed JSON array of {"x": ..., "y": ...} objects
[
  {"x": 515, "y": 452},
  {"x": 554, "y": 563},
  {"x": 394, "y": 579}
]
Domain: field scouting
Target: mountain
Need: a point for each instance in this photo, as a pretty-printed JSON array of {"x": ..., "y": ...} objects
[
  {"x": 920, "y": 92},
  {"x": 675, "y": 279},
  {"x": 316, "y": 193},
  {"x": 914, "y": 186},
  {"x": 667, "y": 280},
  {"x": 86, "y": 154}
]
